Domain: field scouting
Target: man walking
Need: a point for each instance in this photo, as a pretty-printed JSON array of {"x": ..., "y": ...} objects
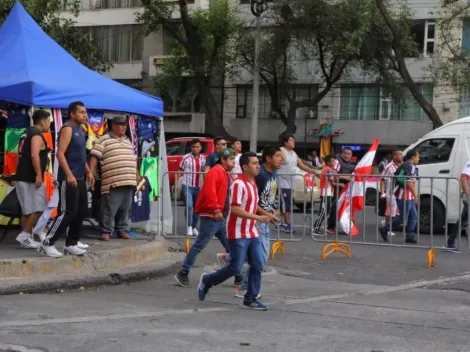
[
  {"x": 237, "y": 146},
  {"x": 192, "y": 165},
  {"x": 407, "y": 195},
  {"x": 267, "y": 190},
  {"x": 30, "y": 188},
  {"x": 212, "y": 207},
  {"x": 73, "y": 202},
  {"x": 243, "y": 236},
  {"x": 386, "y": 189},
  {"x": 220, "y": 144},
  {"x": 287, "y": 182},
  {"x": 118, "y": 178}
]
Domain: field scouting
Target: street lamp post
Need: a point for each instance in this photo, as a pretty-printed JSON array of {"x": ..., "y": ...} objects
[{"x": 257, "y": 9}]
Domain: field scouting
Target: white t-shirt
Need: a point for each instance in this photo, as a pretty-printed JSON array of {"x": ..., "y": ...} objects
[
  {"x": 237, "y": 169},
  {"x": 288, "y": 169}
]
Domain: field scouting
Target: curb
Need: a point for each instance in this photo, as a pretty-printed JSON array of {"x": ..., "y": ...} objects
[
  {"x": 164, "y": 266},
  {"x": 90, "y": 263}
]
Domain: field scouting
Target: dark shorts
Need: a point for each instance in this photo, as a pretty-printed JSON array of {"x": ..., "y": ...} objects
[{"x": 286, "y": 200}]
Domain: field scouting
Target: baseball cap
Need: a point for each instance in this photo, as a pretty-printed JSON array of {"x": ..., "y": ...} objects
[
  {"x": 119, "y": 120},
  {"x": 226, "y": 153}
]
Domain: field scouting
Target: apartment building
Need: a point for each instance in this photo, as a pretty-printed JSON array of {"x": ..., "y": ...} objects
[{"x": 357, "y": 108}]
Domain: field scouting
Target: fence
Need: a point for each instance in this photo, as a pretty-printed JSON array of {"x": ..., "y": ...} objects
[{"x": 439, "y": 206}]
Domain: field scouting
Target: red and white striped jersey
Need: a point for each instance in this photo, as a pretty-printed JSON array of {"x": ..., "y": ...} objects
[
  {"x": 388, "y": 180},
  {"x": 243, "y": 193},
  {"x": 193, "y": 168}
]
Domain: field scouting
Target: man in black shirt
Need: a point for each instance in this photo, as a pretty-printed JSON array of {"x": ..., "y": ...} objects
[{"x": 32, "y": 161}]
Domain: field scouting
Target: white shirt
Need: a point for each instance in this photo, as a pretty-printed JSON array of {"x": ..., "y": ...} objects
[
  {"x": 288, "y": 169},
  {"x": 237, "y": 169}
]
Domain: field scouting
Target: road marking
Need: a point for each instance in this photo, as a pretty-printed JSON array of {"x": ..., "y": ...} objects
[
  {"x": 381, "y": 290},
  {"x": 93, "y": 318}
]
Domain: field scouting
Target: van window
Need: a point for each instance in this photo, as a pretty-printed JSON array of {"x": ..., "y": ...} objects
[
  {"x": 188, "y": 147},
  {"x": 174, "y": 149},
  {"x": 437, "y": 150}
]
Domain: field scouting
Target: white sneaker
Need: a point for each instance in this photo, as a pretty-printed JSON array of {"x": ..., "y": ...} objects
[
  {"x": 26, "y": 241},
  {"x": 42, "y": 236},
  {"x": 74, "y": 250},
  {"x": 190, "y": 231},
  {"x": 50, "y": 251},
  {"x": 390, "y": 233},
  {"x": 382, "y": 223},
  {"x": 195, "y": 232},
  {"x": 82, "y": 245}
]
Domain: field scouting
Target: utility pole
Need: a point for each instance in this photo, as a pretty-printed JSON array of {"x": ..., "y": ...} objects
[{"x": 257, "y": 9}]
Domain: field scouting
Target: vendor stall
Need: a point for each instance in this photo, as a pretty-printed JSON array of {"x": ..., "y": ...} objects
[{"x": 37, "y": 72}]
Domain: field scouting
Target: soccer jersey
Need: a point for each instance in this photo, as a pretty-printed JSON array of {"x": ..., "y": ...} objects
[
  {"x": 389, "y": 171},
  {"x": 411, "y": 173},
  {"x": 12, "y": 139},
  {"x": 243, "y": 193},
  {"x": 147, "y": 129},
  {"x": 267, "y": 189},
  {"x": 326, "y": 176},
  {"x": 141, "y": 204},
  {"x": 18, "y": 116},
  {"x": 192, "y": 168},
  {"x": 149, "y": 169}
]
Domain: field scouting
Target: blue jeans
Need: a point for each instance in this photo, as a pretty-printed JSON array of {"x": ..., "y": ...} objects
[
  {"x": 208, "y": 228},
  {"x": 189, "y": 197},
  {"x": 408, "y": 216},
  {"x": 241, "y": 249},
  {"x": 265, "y": 237}
]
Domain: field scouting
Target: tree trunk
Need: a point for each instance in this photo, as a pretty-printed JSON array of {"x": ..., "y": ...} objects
[
  {"x": 213, "y": 119},
  {"x": 403, "y": 70}
]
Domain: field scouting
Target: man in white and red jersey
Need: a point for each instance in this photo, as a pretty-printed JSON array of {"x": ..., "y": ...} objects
[
  {"x": 386, "y": 189},
  {"x": 328, "y": 184},
  {"x": 192, "y": 164},
  {"x": 237, "y": 146},
  {"x": 242, "y": 233},
  {"x": 407, "y": 195}
]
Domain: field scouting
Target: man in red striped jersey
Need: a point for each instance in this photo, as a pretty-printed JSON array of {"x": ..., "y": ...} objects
[
  {"x": 242, "y": 233},
  {"x": 407, "y": 195},
  {"x": 386, "y": 190},
  {"x": 192, "y": 164}
]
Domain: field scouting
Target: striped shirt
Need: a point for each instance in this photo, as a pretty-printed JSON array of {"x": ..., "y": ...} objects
[
  {"x": 243, "y": 193},
  {"x": 118, "y": 162},
  {"x": 192, "y": 168},
  {"x": 411, "y": 171},
  {"x": 388, "y": 180},
  {"x": 326, "y": 188}
]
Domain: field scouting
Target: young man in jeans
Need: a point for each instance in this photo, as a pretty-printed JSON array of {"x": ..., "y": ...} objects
[
  {"x": 212, "y": 207},
  {"x": 192, "y": 165},
  {"x": 267, "y": 189},
  {"x": 243, "y": 236}
]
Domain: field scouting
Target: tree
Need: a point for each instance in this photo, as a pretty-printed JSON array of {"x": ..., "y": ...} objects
[
  {"x": 397, "y": 60},
  {"x": 205, "y": 52},
  {"x": 47, "y": 14}
]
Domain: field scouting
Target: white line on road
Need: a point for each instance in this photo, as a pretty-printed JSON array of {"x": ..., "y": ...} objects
[
  {"x": 110, "y": 317},
  {"x": 382, "y": 289}
]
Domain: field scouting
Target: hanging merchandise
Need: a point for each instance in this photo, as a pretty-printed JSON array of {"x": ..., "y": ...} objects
[
  {"x": 18, "y": 116},
  {"x": 133, "y": 133},
  {"x": 147, "y": 129},
  {"x": 5, "y": 188},
  {"x": 149, "y": 169},
  {"x": 12, "y": 141},
  {"x": 141, "y": 203},
  {"x": 95, "y": 128}
]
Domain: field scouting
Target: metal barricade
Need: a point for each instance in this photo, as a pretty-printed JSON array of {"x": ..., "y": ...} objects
[{"x": 436, "y": 195}]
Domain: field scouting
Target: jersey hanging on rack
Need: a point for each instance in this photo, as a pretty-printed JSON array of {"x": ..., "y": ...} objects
[
  {"x": 18, "y": 116},
  {"x": 141, "y": 204},
  {"x": 133, "y": 133},
  {"x": 149, "y": 169},
  {"x": 12, "y": 141}
]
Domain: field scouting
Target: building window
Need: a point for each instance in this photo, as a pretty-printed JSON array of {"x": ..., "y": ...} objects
[
  {"x": 243, "y": 2},
  {"x": 102, "y": 4},
  {"x": 169, "y": 42},
  {"x": 466, "y": 37},
  {"x": 424, "y": 34},
  {"x": 364, "y": 102},
  {"x": 118, "y": 43},
  {"x": 464, "y": 104},
  {"x": 245, "y": 101}
]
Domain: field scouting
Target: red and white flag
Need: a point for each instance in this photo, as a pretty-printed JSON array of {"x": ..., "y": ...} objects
[{"x": 352, "y": 199}]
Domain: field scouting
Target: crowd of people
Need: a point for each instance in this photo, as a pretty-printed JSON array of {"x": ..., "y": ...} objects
[{"x": 118, "y": 173}]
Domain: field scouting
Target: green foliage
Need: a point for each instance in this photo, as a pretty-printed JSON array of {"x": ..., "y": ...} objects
[{"x": 46, "y": 14}]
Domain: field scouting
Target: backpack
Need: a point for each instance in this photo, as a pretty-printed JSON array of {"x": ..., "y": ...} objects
[{"x": 401, "y": 178}]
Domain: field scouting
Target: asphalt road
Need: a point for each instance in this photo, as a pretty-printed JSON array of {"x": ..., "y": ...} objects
[{"x": 381, "y": 299}]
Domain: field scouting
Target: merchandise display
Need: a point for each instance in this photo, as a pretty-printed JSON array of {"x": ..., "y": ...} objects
[
  {"x": 149, "y": 169},
  {"x": 141, "y": 203}
]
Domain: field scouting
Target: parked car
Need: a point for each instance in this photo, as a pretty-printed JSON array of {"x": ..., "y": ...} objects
[{"x": 177, "y": 147}]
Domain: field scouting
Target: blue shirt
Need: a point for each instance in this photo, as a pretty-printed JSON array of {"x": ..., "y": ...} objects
[
  {"x": 267, "y": 189},
  {"x": 212, "y": 159},
  {"x": 75, "y": 153},
  {"x": 141, "y": 204}
]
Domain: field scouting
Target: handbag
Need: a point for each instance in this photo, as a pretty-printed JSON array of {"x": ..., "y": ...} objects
[{"x": 10, "y": 206}]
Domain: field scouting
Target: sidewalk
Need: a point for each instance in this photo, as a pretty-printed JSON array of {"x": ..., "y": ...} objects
[{"x": 111, "y": 262}]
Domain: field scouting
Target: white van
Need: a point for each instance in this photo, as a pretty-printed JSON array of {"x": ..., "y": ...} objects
[{"x": 443, "y": 153}]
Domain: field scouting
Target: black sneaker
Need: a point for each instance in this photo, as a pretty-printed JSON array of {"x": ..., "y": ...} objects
[
  {"x": 384, "y": 234},
  {"x": 182, "y": 279},
  {"x": 411, "y": 240},
  {"x": 238, "y": 280},
  {"x": 255, "y": 305}
]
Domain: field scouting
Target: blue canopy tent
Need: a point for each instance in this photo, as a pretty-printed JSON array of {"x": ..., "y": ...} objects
[{"x": 37, "y": 71}]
